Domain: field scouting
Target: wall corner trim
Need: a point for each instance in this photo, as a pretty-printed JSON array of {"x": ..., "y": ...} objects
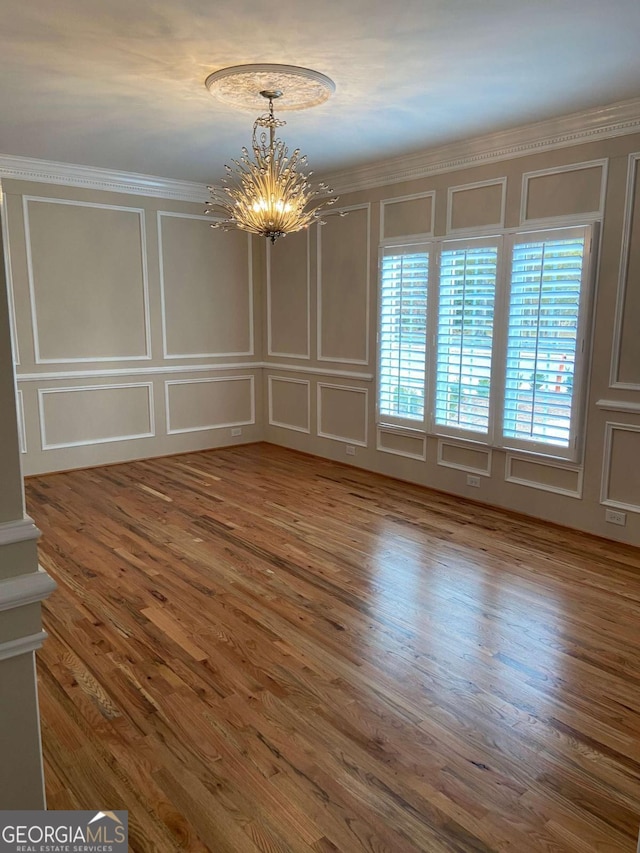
[
  {"x": 25, "y": 589},
  {"x": 20, "y": 530}
]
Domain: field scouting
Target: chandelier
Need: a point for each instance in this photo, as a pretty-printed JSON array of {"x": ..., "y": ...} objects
[{"x": 266, "y": 192}]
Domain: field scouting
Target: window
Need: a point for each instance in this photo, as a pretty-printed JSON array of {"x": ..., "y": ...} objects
[
  {"x": 404, "y": 276},
  {"x": 466, "y": 300},
  {"x": 505, "y": 353},
  {"x": 547, "y": 290}
]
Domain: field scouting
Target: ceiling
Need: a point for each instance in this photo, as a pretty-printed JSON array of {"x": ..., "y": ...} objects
[{"x": 119, "y": 84}]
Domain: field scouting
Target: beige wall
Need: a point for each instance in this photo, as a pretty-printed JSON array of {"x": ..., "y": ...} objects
[
  {"x": 141, "y": 332},
  {"x": 133, "y": 321},
  {"x": 333, "y": 411}
]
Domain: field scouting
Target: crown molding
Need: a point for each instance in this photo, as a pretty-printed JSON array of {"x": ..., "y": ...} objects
[
  {"x": 618, "y": 119},
  {"x": 109, "y": 180}
]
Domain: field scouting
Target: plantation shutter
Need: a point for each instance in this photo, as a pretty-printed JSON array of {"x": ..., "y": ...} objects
[
  {"x": 547, "y": 281},
  {"x": 404, "y": 273},
  {"x": 465, "y": 335}
]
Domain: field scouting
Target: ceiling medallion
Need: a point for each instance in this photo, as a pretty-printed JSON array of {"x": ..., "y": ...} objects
[
  {"x": 266, "y": 194},
  {"x": 241, "y": 86}
]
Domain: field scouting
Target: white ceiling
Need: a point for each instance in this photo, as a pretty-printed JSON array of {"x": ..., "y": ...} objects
[{"x": 119, "y": 84}]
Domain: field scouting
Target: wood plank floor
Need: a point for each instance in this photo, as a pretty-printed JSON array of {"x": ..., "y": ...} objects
[{"x": 255, "y": 650}]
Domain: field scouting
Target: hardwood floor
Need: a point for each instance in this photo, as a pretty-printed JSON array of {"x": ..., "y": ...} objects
[{"x": 256, "y": 650}]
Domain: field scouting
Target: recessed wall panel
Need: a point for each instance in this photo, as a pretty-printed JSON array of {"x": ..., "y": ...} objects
[
  {"x": 70, "y": 417},
  {"x": 628, "y": 343},
  {"x": 476, "y": 460},
  {"x": 205, "y": 278},
  {"x": 343, "y": 287},
  {"x": 407, "y": 217},
  {"x": 87, "y": 276},
  {"x": 342, "y": 413},
  {"x": 288, "y": 296},
  {"x": 479, "y": 205},
  {"x": 546, "y": 476},
  {"x": 621, "y": 478},
  {"x": 401, "y": 444},
  {"x": 289, "y": 403},
  {"x": 199, "y": 404},
  {"x": 563, "y": 192}
]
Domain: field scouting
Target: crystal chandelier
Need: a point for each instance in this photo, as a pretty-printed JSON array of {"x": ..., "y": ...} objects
[{"x": 266, "y": 192}]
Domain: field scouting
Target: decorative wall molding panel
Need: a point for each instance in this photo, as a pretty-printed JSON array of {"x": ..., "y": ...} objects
[
  {"x": 631, "y": 200},
  {"x": 132, "y": 183},
  {"x": 621, "y": 481},
  {"x": 397, "y": 214},
  {"x": 91, "y": 415},
  {"x": 562, "y": 182},
  {"x": 482, "y": 209},
  {"x": 464, "y": 456},
  {"x": 210, "y": 405},
  {"x": 295, "y": 398},
  {"x": 536, "y": 474},
  {"x": 345, "y": 417},
  {"x": 343, "y": 297},
  {"x": 614, "y": 120},
  {"x": 401, "y": 442},
  {"x": 287, "y": 299},
  {"x": 104, "y": 300},
  {"x": 318, "y": 371},
  {"x": 199, "y": 271}
]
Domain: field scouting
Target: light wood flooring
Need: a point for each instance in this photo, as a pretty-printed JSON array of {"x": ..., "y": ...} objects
[{"x": 255, "y": 650}]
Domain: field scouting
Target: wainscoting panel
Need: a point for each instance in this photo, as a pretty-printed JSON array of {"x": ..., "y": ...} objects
[
  {"x": 621, "y": 473},
  {"x": 476, "y": 206},
  {"x": 73, "y": 417},
  {"x": 625, "y": 362},
  {"x": 343, "y": 287},
  {"x": 401, "y": 444},
  {"x": 342, "y": 413},
  {"x": 193, "y": 405},
  {"x": 290, "y": 403},
  {"x": 464, "y": 457},
  {"x": 288, "y": 297},
  {"x": 560, "y": 479},
  {"x": 577, "y": 190},
  {"x": 206, "y": 288},
  {"x": 87, "y": 273},
  {"x": 407, "y": 216}
]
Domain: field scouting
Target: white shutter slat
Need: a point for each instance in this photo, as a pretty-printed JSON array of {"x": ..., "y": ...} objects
[
  {"x": 403, "y": 332},
  {"x": 465, "y": 337},
  {"x": 546, "y": 283}
]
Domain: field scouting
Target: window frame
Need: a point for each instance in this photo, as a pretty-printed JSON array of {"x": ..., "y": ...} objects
[
  {"x": 506, "y": 239},
  {"x": 574, "y": 449}
]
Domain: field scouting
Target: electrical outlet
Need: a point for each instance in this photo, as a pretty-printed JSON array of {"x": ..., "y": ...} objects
[
  {"x": 614, "y": 516},
  {"x": 351, "y": 451},
  {"x": 236, "y": 431},
  {"x": 474, "y": 481}
]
